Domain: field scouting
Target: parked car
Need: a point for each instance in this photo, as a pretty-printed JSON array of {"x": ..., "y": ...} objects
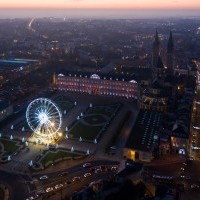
[
  {"x": 87, "y": 165},
  {"x": 49, "y": 189},
  {"x": 114, "y": 168},
  {"x": 76, "y": 178},
  {"x": 87, "y": 174},
  {"x": 44, "y": 177},
  {"x": 97, "y": 170},
  {"x": 58, "y": 186},
  {"x": 193, "y": 186}
]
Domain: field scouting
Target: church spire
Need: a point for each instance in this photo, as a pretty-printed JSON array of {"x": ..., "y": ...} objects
[
  {"x": 157, "y": 42},
  {"x": 170, "y": 45},
  {"x": 156, "y": 49},
  {"x": 170, "y": 54}
]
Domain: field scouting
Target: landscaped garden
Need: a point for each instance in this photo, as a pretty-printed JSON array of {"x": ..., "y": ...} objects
[
  {"x": 51, "y": 157},
  {"x": 86, "y": 132},
  {"x": 104, "y": 110},
  {"x": 8, "y": 147},
  {"x": 94, "y": 122},
  {"x": 59, "y": 154}
]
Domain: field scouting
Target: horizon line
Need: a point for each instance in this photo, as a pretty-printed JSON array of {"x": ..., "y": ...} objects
[{"x": 104, "y": 8}]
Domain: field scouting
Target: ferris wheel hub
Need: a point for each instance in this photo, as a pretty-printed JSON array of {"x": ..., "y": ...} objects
[{"x": 43, "y": 117}]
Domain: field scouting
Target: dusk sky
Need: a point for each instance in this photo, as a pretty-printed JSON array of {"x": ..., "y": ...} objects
[
  {"x": 131, "y": 4},
  {"x": 99, "y": 8}
]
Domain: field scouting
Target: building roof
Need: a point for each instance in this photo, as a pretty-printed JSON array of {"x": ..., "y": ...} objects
[
  {"x": 180, "y": 130},
  {"x": 95, "y": 76},
  {"x": 102, "y": 76},
  {"x": 145, "y": 131}
]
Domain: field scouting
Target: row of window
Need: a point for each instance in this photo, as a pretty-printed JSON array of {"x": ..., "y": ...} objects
[
  {"x": 95, "y": 81},
  {"x": 97, "y": 88},
  {"x": 149, "y": 107},
  {"x": 101, "y": 93},
  {"x": 97, "y": 85}
]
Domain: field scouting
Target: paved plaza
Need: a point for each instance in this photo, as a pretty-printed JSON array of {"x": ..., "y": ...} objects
[{"x": 97, "y": 112}]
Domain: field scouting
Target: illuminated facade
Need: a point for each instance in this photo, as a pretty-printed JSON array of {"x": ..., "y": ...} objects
[
  {"x": 154, "y": 98},
  {"x": 195, "y": 123},
  {"x": 95, "y": 85},
  {"x": 156, "y": 95}
]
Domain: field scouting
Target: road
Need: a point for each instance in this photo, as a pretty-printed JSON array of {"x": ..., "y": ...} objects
[
  {"x": 175, "y": 167},
  {"x": 70, "y": 190},
  {"x": 37, "y": 186},
  {"x": 23, "y": 186}
]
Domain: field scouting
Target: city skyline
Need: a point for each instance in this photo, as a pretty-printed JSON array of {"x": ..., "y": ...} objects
[{"x": 99, "y": 103}]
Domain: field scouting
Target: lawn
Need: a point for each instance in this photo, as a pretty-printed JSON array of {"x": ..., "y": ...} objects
[
  {"x": 96, "y": 118},
  {"x": 22, "y": 124},
  {"x": 84, "y": 131},
  {"x": 10, "y": 146},
  {"x": 105, "y": 110},
  {"x": 52, "y": 156}
]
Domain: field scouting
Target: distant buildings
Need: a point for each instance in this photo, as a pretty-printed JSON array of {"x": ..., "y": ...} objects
[
  {"x": 5, "y": 109},
  {"x": 195, "y": 123}
]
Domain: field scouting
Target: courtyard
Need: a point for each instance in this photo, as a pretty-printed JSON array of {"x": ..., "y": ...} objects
[{"x": 93, "y": 122}]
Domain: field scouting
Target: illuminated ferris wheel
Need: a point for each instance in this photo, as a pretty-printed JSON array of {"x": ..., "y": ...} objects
[{"x": 44, "y": 117}]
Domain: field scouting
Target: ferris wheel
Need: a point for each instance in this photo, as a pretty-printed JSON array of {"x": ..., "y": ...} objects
[{"x": 44, "y": 117}]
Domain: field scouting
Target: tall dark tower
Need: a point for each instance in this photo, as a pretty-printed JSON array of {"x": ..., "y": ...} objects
[
  {"x": 170, "y": 55},
  {"x": 156, "y": 50}
]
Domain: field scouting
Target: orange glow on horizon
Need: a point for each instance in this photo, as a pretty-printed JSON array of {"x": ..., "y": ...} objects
[{"x": 103, "y": 4}]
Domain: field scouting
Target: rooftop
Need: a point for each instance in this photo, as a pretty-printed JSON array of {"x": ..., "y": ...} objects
[
  {"x": 117, "y": 77},
  {"x": 145, "y": 131}
]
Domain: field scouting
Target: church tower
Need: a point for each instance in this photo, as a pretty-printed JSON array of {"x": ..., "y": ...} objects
[
  {"x": 54, "y": 79},
  {"x": 158, "y": 70},
  {"x": 170, "y": 55},
  {"x": 156, "y": 50}
]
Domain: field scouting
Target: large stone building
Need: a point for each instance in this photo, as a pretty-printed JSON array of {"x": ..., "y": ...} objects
[
  {"x": 94, "y": 84},
  {"x": 158, "y": 93}
]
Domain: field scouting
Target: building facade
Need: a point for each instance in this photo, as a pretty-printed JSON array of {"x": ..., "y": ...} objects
[
  {"x": 95, "y": 85},
  {"x": 194, "y": 140}
]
